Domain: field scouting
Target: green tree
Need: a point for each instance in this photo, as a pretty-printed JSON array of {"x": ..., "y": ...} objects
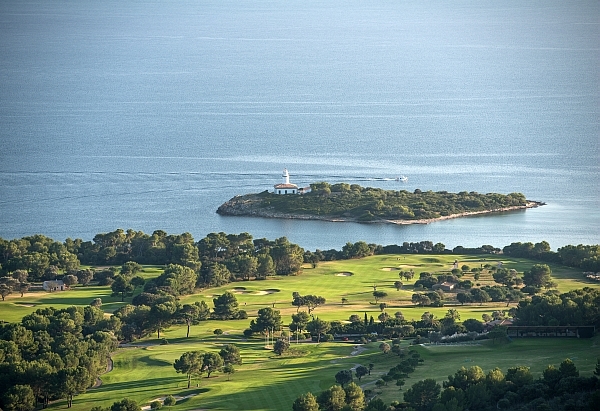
[
  {"x": 19, "y": 398},
  {"x": 162, "y": 315},
  {"x": 226, "y": 306},
  {"x": 72, "y": 381},
  {"x": 70, "y": 280},
  {"x": 177, "y": 280},
  {"x": 333, "y": 399},
  {"x": 85, "y": 276},
  {"x": 229, "y": 370},
  {"x": 211, "y": 362},
  {"x": 231, "y": 354},
  {"x": 281, "y": 346},
  {"x": 423, "y": 394},
  {"x": 568, "y": 369},
  {"x": 343, "y": 377},
  {"x": 378, "y": 295},
  {"x": 355, "y": 397},
  {"x": 520, "y": 375},
  {"x": 4, "y": 291},
  {"x": 361, "y": 371},
  {"x": 122, "y": 286},
  {"x": 318, "y": 327},
  {"x": 193, "y": 314},
  {"x": 130, "y": 268},
  {"x": 299, "y": 321},
  {"x": 125, "y": 405},
  {"x": 190, "y": 363},
  {"x": 267, "y": 319},
  {"x": 170, "y": 400},
  {"x": 266, "y": 267},
  {"x": 384, "y": 347},
  {"x": 538, "y": 276},
  {"x": 306, "y": 402},
  {"x": 480, "y": 296}
]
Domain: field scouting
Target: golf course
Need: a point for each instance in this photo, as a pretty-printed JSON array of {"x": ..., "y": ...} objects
[{"x": 143, "y": 370}]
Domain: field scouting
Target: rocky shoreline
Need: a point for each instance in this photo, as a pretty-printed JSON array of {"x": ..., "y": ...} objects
[{"x": 249, "y": 206}]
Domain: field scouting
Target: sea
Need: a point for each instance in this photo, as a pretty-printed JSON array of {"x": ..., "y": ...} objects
[{"x": 150, "y": 114}]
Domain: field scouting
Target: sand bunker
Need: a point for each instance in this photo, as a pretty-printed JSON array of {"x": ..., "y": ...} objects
[
  {"x": 26, "y": 304},
  {"x": 390, "y": 269},
  {"x": 267, "y": 292},
  {"x": 344, "y": 274},
  {"x": 240, "y": 290}
]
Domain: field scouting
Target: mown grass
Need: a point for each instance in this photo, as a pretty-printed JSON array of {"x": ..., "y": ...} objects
[{"x": 269, "y": 382}]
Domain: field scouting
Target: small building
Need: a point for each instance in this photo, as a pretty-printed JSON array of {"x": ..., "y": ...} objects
[
  {"x": 286, "y": 187},
  {"x": 53, "y": 285}
]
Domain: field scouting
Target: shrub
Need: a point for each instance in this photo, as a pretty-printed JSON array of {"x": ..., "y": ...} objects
[
  {"x": 155, "y": 405},
  {"x": 218, "y": 331},
  {"x": 170, "y": 400}
]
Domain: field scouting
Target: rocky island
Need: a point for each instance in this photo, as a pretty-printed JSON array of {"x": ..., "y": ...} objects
[{"x": 345, "y": 202}]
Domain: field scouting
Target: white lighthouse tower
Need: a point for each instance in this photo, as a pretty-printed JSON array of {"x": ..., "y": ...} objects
[{"x": 286, "y": 187}]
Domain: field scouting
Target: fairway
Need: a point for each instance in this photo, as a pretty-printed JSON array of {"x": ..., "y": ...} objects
[{"x": 144, "y": 371}]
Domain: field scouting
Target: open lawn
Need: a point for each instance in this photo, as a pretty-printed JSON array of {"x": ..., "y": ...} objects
[{"x": 145, "y": 372}]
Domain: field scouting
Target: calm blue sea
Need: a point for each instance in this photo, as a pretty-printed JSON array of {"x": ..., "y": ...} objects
[{"x": 149, "y": 115}]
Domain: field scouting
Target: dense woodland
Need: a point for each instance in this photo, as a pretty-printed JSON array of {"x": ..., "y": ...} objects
[
  {"x": 368, "y": 203},
  {"x": 559, "y": 388}
]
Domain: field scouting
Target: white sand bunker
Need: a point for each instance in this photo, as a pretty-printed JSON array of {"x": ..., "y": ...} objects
[
  {"x": 345, "y": 274},
  {"x": 390, "y": 269},
  {"x": 267, "y": 292},
  {"x": 240, "y": 290}
]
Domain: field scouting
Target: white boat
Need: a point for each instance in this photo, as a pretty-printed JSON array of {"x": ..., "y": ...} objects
[{"x": 402, "y": 178}]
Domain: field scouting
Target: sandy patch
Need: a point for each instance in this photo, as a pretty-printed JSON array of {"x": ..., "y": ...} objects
[
  {"x": 358, "y": 349},
  {"x": 162, "y": 399},
  {"x": 390, "y": 269},
  {"x": 25, "y": 304},
  {"x": 346, "y": 274},
  {"x": 267, "y": 292}
]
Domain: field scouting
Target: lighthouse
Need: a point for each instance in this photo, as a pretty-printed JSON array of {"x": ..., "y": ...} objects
[{"x": 286, "y": 187}]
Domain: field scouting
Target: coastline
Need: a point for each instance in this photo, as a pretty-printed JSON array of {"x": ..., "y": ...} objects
[{"x": 244, "y": 207}]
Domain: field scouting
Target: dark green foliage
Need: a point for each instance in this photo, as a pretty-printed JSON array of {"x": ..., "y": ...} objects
[
  {"x": 170, "y": 400},
  {"x": 367, "y": 203},
  {"x": 343, "y": 377},
  {"x": 231, "y": 354},
  {"x": 538, "y": 276},
  {"x": 125, "y": 405},
  {"x": 281, "y": 346},
  {"x": 556, "y": 390},
  {"x": 267, "y": 319},
  {"x": 306, "y": 402},
  {"x": 576, "y": 307},
  {"x": 226, "y": 307},
  {"x": 423, "y": 395},
  {"x": 33, "y": 354}
]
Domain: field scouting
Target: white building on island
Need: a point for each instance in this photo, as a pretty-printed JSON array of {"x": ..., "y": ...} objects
[{"x": 286, "y": 187}]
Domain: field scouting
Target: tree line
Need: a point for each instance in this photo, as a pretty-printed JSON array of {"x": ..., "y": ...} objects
[
  {"x": 220, "y": 257},
  {"x": 558, "y": 388}
]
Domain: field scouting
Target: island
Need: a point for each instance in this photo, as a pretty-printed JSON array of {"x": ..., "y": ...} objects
[{"x": 354, "y": 203}]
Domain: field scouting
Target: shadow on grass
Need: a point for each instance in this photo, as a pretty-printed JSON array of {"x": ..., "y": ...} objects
[
  {"x": 154, "y": 362},
  {"x": 138, "y": 384}
]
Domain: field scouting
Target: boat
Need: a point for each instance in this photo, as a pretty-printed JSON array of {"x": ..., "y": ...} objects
[{"x": 402, "y": 178}]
